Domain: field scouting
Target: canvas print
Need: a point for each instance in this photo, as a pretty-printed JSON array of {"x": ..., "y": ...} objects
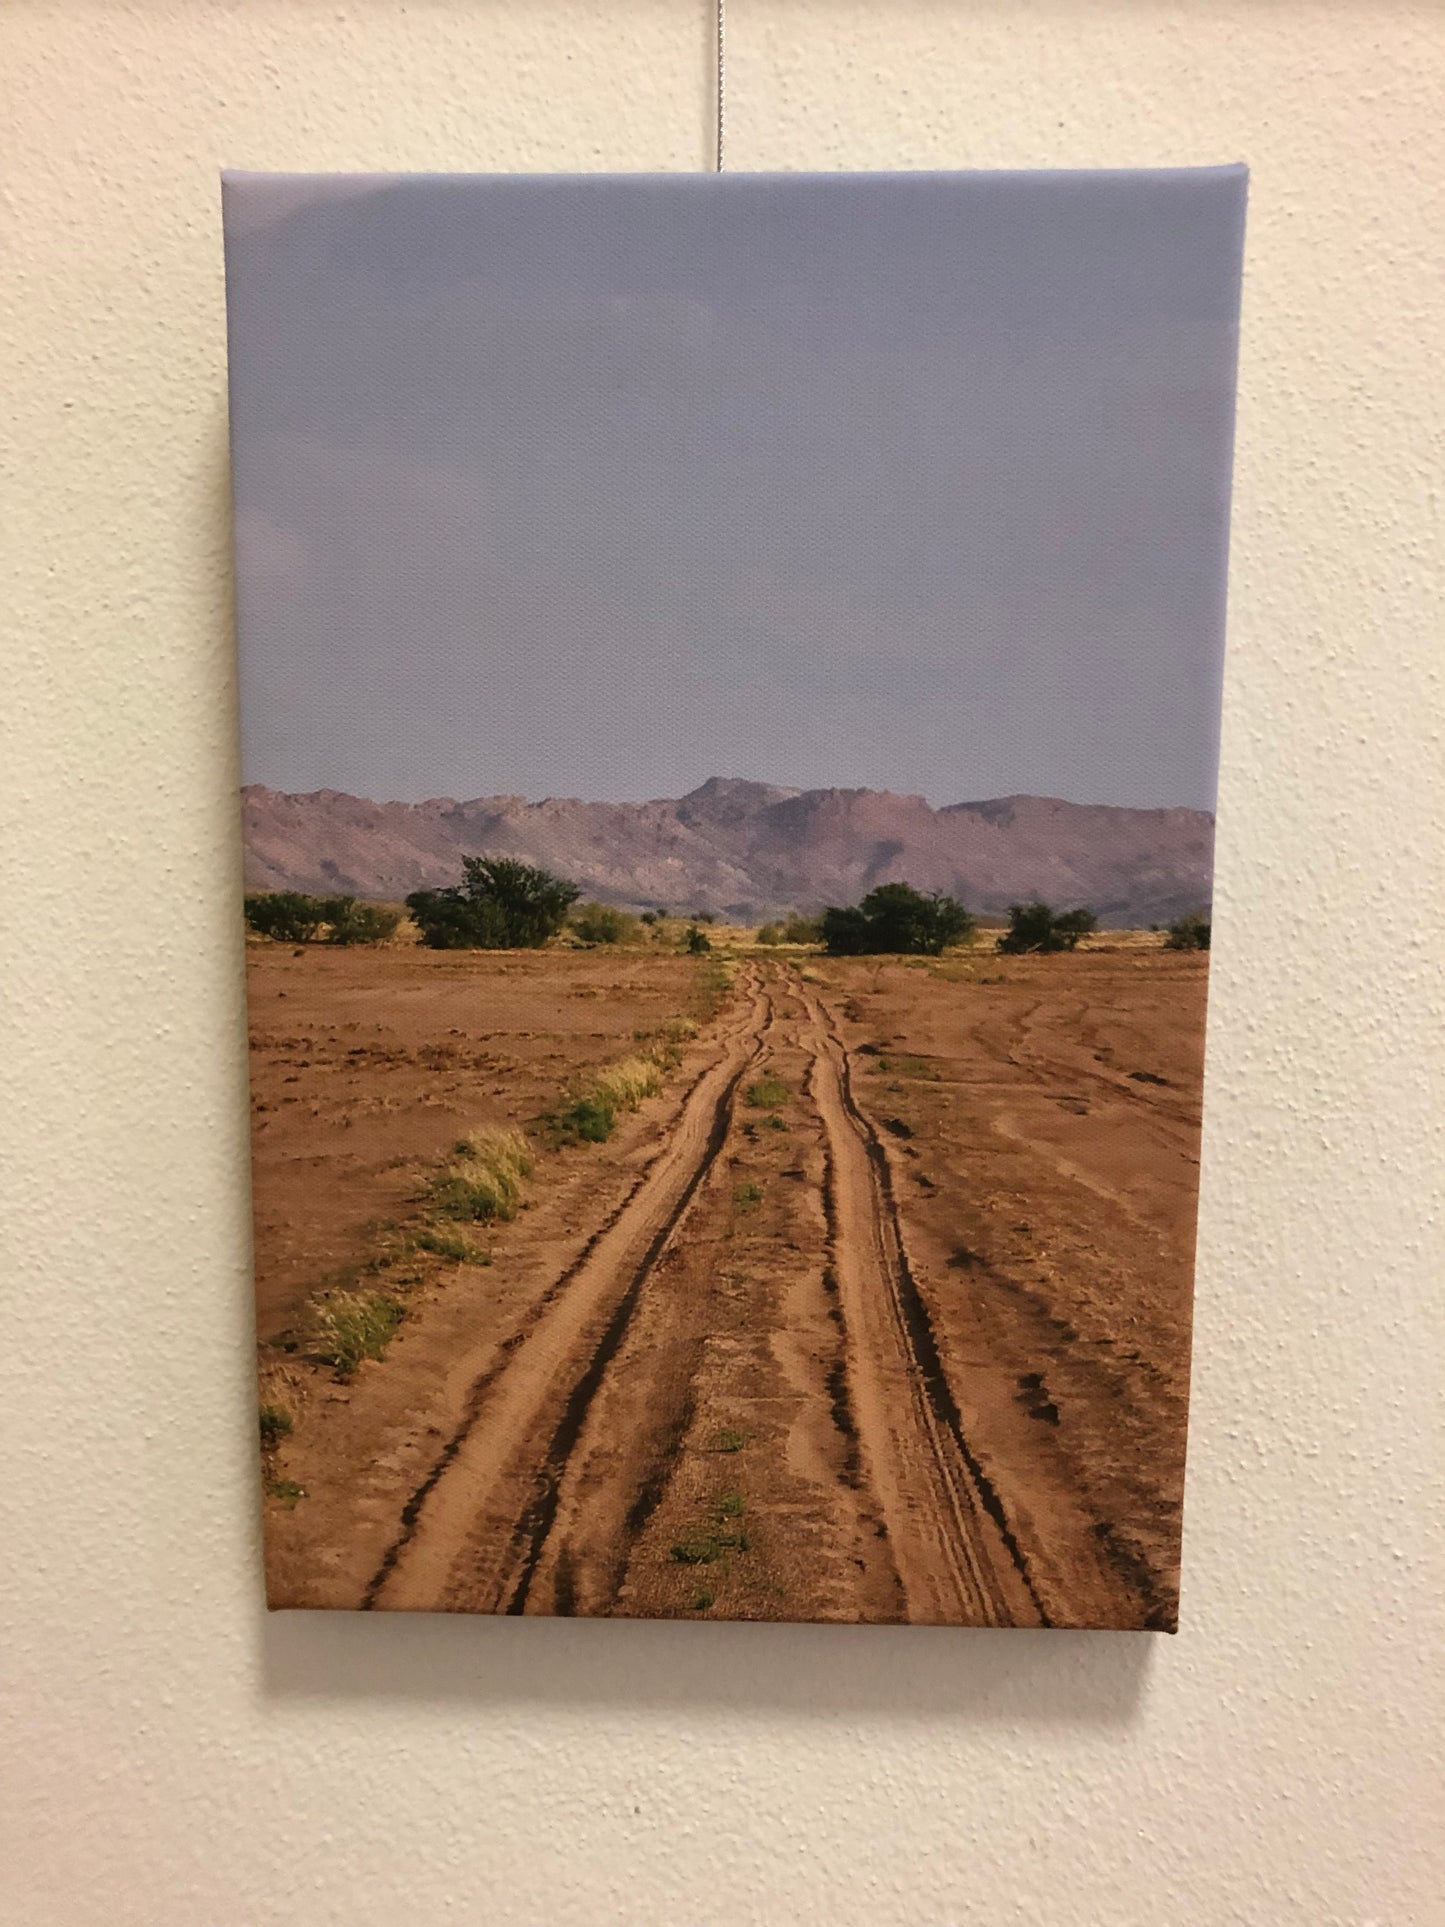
[{"x": 730, "y": 677}]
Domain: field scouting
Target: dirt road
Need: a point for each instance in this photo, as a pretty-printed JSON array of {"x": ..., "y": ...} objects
[{"x": 541, "y": 1497}]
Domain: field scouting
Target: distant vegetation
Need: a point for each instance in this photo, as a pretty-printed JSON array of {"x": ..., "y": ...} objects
[
  {"x": 605, "y": 923},
  {"x": 696, "y": 941},
  {"x": 500, "y": 904},
  {"x": 1035, "y": 928},
  {"x": 1189, "y": 933},
  {"x": 794, "y": 930},
  {"x": 286, "y": 916},
  {"x": 895, "y": 919}
]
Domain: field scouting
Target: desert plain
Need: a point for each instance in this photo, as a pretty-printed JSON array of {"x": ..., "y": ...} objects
[{"x": 876, "y": 1306}]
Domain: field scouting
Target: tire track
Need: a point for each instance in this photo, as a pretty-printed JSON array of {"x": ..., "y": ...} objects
[
  {"x": 474, "y": 1532},
  {"x": 956, "y": 1551}
]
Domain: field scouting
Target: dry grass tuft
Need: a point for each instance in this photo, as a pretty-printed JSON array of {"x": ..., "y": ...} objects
[{"x": 486, "y": 1178}]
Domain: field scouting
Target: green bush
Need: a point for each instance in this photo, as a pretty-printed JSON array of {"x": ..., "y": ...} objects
[
  {"x": 604, "y": 923},
  {"x": 286, "y": 916},
  {"x": 803, "y": 930},
  {"x": 1034, "y": 927},
  {"x": 696, "y": 942},
  {"x": 348, "y": 921},
  {"x": 500, "y": 904},
  {"x": 895, "y": 919},
  {"x": 589, "y": 1119},
  {"x": 770, "y": 933},
  {"x": 1189, "y": 932}
]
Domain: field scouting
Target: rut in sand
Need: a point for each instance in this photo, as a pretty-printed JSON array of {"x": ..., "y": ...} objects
[{"x": 535, "y": 1505}]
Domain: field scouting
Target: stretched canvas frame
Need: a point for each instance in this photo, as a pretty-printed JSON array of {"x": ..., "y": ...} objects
[{"x": 730, "y": 676}]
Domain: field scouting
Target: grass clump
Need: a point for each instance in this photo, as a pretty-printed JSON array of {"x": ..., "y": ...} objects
[
  {"x": 703, "y": 1548},
  {"x": 588, "y": 1120},
  {"x": 768, "y": 1093},
  {"x": 726, "y": 1440},
  {"x": 708, "y": 1543},
  {"x": 592, "y": 1116},
  {"x": 626, "y": 1083},
  {"x": 286, "y": 1490},
  {"x": 275, "y": 1426},
  {"x": 451, "y": 1245},
  {"x": 748, "y": 1196},
  {"x": 486, "y": 1178},
  {"x": 352, "y": 1326}
]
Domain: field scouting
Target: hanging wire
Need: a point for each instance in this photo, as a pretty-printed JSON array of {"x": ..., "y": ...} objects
[{"x": 721, "y": 50}]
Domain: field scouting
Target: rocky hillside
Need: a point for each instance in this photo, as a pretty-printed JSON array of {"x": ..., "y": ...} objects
[{"x": 747, "y": 850}]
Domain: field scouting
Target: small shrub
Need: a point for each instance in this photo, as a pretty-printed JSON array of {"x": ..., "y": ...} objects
[
  {"x": 351, "y": 1327},
  {"x": 768, "y": 1093},
  {"x": 803, "y": 930},
  {"x": 727, "y": 1440},
  {"x": 275, "y": 1426},
  {"x": 448, "y": 1244},
  {"x": 604, "y": 923},
  {"x": 486, "y": 1178},
  {"x": 695, "y": 941},
  {"x": 288, "y": 916},
  {"x": 1189, "y": 933},
  {"x": 1034, "y": 928},
  {"x": 624, "y": 1085},
  {"x": 590, "y": 1120},
  {"x": 748, "y": 1196},
  {"x": 704, "y": 1548},
  {"x": 591, "y": 1117},
  {"x": 286, "y": 1490},
  {"x": 348, "y": 921},
  {"x": 285, "y": 916},
  {"x": 771, "y": 933}
]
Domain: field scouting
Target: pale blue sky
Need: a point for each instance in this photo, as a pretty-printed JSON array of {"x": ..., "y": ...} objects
[{"x": 598, "y": 486}]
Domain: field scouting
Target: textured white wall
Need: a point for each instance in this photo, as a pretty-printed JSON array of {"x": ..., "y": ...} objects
[{"x": 172, "y": 1759}]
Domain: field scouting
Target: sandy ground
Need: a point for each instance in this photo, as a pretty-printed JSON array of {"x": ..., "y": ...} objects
[{"x": 878, "y": 1311}]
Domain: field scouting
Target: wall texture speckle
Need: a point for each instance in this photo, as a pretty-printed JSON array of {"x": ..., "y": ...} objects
[{"x": 170, "y": 1758}]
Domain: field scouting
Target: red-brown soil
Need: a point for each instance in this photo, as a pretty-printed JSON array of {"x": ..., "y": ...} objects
[{"x": 878, "y": 1311}]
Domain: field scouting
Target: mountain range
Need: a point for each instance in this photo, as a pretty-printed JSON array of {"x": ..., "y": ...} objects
[{"x": 746, "y": 850}]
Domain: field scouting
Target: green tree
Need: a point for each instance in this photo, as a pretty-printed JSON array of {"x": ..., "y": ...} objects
[
  {"x": 500, "y": 904},
  {"x": 1034, "y": 927},
  {"x": 896, "y": 919},
  {"x": 1189, "y": 932}
]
